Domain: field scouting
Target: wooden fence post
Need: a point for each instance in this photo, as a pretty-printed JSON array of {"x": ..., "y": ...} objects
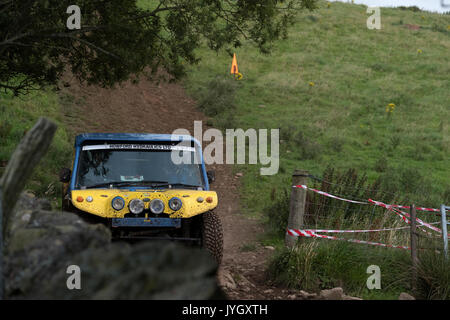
[
  {"x": 297, "y": 206},
  {"x": 27, "y": 155},
  {"x": 414, "y": 240}
]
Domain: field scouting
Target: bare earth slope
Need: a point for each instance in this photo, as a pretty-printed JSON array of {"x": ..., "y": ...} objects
[{"x": 161, "y": 108}]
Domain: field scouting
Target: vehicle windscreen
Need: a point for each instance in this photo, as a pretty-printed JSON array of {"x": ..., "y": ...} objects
[{"x": 141, "y": 166}]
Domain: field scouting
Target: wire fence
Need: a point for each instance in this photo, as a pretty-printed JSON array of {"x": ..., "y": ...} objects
[{"x": 346, "y": 208}]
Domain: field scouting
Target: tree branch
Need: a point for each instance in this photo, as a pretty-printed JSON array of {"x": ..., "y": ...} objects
[{"x": 88, "y": 43}]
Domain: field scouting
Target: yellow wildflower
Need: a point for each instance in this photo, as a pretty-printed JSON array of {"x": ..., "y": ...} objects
[
  {"x": 390, "y": 107},
  {"x": 311, "y": 84}
]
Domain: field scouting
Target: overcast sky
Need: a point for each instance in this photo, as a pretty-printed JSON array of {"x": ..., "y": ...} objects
[{"x": 430, "y": 5}]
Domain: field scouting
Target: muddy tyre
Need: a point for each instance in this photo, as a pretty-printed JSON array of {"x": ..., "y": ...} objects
[{"x": 212, "y": 235}]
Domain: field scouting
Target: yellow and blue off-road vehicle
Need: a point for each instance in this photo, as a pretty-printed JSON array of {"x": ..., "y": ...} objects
[{"x": 144, "y": 186}]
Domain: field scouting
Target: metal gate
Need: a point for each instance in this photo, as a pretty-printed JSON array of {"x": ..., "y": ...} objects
[{"x": 445, "y": 222}]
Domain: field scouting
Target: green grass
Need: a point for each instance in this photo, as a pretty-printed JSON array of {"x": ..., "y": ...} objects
[
  {"x": 323, "y": 263},
  {"x": 327, "y": 88},
  {"x": 315, "y": 265},
  {"x": 434, "y": 276},
  {"x": 19, "y": 114},
  {"x": 340, "y": 120},
  {"x": 343, "y": 120}
]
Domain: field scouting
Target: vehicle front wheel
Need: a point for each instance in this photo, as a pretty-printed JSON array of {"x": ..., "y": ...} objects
[{"x": 212, "y": 235}]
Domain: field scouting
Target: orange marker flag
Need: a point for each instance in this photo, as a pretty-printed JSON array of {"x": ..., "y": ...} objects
[{"x": 234, "y": 66}]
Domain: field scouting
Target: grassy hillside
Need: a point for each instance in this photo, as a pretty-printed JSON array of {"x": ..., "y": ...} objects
[
  {"x": 19, "y": 114},
  {"x": 344, "y": 97},
  {"x": 328, "y": 87}
]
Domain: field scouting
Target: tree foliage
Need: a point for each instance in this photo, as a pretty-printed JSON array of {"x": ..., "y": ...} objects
[{"x": 119, "y": 38}]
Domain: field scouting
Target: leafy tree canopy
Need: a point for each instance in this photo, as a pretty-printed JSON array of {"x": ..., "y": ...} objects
[{"x": 118, "y": 38}]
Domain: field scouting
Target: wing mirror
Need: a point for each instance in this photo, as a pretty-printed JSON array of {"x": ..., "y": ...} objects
[
  {"x": 211, "y": 174},
  {"x": 64, "y": 175}
]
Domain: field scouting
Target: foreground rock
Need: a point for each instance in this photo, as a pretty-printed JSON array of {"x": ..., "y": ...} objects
[
  {"x": 42, "y": 244},
  {"x": 332, "y": 294},
  {"x": 405, "y": 296},
  {"x": 305, "y": 295},
  {"x": 335, "y": 294},
  {"x": 226, "y": 280}
]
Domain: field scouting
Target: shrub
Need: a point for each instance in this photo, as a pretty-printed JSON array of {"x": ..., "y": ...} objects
[
  {"x": 277, "y": 212},
  {"x": 218, "y": 97}
]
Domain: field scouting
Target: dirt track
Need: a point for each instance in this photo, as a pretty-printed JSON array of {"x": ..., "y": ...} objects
[{"x": 162, "y": 108}]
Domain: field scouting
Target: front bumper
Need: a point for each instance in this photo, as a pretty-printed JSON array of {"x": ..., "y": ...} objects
[{"x": 146, "y": 222}]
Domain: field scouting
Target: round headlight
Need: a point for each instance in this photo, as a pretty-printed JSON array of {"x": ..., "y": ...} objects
[
  {"x": 157, "y": 206},
  {"x": 118, "y": 203},
  {"x": 175, "y": 204},
  {"x": 136, "y": 206}
]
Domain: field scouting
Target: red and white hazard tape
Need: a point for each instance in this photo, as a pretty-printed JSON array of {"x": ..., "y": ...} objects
[
  {"x": 327, "y": 194},
  {"x": 354, "y": 231},
  {"x": 311, "y": 234},
  {"x": 404, "y": 215},
  {"x": 422, "y": 223},
  {"x": 361, "y": 202},
  {"x": 417, "y": 208},
  {"x": 404, "y": 218}
]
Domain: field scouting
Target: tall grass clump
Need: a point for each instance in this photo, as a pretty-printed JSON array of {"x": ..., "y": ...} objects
[
  {"x": 277, "y": 213},
  {"x": 315, "y": 265},
  {"x": 433, "y": 276},
  {"x": 294, "y": 267}
]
